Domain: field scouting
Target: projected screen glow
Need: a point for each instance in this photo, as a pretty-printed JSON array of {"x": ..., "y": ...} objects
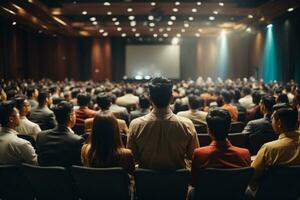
[{"x": 152, "y": 60}]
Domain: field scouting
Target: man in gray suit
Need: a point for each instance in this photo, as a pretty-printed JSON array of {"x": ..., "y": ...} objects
[{"x": 42, "y": 115}]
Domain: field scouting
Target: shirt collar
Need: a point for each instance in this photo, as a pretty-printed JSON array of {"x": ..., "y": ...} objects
[
  {"x": 289, "y": 134},
  {"x": 8, "y": 130},
  {"x": 162, "y": 112},
  {"x": 224, "y": 143}
]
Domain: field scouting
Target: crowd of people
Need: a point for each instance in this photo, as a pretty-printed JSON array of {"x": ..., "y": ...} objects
[{"x": 148, "y": 124}]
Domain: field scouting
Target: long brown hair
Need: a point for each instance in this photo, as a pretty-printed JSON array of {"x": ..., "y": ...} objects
[{"x": 105, "y": 142}]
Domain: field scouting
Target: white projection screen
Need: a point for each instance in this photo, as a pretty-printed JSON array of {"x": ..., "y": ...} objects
[{"x": 152, "y": 60}]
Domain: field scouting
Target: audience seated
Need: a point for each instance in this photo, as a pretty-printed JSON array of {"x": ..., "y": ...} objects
[
  {"x": 233, "y": 111},
  {"x": 119, "y": 111},
  {"x": 13, "y": 150},
  {"x": 104, "y": 147},
  {"x": 41, "y": 114},
  {"x": 194, "y": 113},
  {"x": 254, "y": 113},
  {"x": 161, "y": 140},
  {"x": 284, "y": 151},
  {"x": 129, "y": 100},
  {"x": 25, "y": 126},
  {"x": 60, "y": 146},
  {"x": 32, "y": 94},
  {"x": 246, "y": 101},
  {"x": 143, "y": 109}
]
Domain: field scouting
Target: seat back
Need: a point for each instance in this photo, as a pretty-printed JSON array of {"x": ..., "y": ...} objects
[
  {"x": 255, "y": 141},
  {"x": 238, "y": 139},
  {"x": 280, "y": 183},
  {"x": 13, "y": 184},
  {"x": 204, "y": 139},
  {"x": 50, "y": 182},
  {"x": 222, "y": 183},
  {"x": 101, "y": 183},
  {"x": 237, "y": 127},
  {"x": 201, "y": 128},
  {"x": 28, "y": 138},
  {"x": 162, "y": 185}
]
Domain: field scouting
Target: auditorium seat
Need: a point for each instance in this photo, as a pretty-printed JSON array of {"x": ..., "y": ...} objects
[
  {"x": 50, "y": 183},
  {"x": 28, "y": 138},
  {"x": 161, "y": 185},
  {"x": 201, "y": 128},
  {"x": 237, "y": 127},
  {"x": 13, "y": 184},
  {"x": 280, "y": 183},
  {"x": 216, "y": 184},
  {"x": 204, "y": 139},
  {"x": 101, "y": 183},
  {"x": 255, "y": 141}
]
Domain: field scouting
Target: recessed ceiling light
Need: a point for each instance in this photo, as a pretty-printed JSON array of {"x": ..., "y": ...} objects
[
  {"x": 132, "y": 23},
  {"x": 270, "y": 26},
  {"x": 14, "y": 23},
  {"x": 101, "y": 30},
  {"x": 173, "y": 17},
  {"x": 197, "y": 34},
  {"x": 248, "y": 29},
  {"x": 84, "y": 12},
  {"x": 93, "y": 19},
  {"x": 183, "y": 30},
  {"x": 200, "y": 30},
  {"x": 221, "y": 4},
  {"x": 186, "y": 25},
  {"x": 216, "y": 12},
  {"x": 262, "y": 19},
  {"x": 211, "y": 18},
  {"x": 175, "y": 9},
  {"x": 165, "y": 35},
  {"x": 155, "y": 35},
  {"x": 117, "y": 23},
  {"x": 290, "y": 9},
  {"x": 95, "y": 23},
  {"x": 114, "y": 19},
  {"x": 109, "y": 13},
  {"x": 129, "y": 9},
  {"x": 199, "y": 3},
  {"x": 151, "y": 24},
  {"x": 153, "y": 4},
  {"x": 123, "y": 35},
  {"x": 106, "y": 4},
  {"x": 131, "y": 17},
  {"x": 133, "y": 29},
  {"x": 250, "y": 16},
  {"x": 170, "y": 23},
  {"x": 194, "y": 10},
  {"x": 150, "y": 17},
  {"x": 161, "y": 30},
  {"x": 105, "y": 34},
  {"x": 177, "y": 3},
  {"x": 137, "y": 35},
  {"x": 119, "y": 29},
  {"x": 169, "y": 29},
  {"x": 151, "y": 29},
  {"x": 178, "y": 35},
  {"x": 191, "y": 18}
]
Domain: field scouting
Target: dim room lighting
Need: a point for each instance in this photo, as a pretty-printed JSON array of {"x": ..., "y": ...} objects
[
  {"x": 84, "y": 12},
  {"x": 131, "y": 17},
  {"x": 129, "y": 9},
  {"x": 290, "y": 9},
  {"x": 175, "y": 9},
  {"x": 199, "y": 3},
  {"x": 123, "y": 35},
  {"x": 170, "y": 23},
  {"x": 14, "y": 23},
  {"x": 150, "y": 17},
  {"x": 211, "y": 18},
  {"x": 269, "y": 25},
  {"x": 221, "y": 4},
  {"x": 93, "y": 19},
  {"x": 153, "y": 4}
]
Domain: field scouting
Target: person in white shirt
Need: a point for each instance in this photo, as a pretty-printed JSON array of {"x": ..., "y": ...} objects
[
  {"x": 13, "y": 150},
  {"x": 246, "y": 101},
  {"x": 26, "y": 126}
]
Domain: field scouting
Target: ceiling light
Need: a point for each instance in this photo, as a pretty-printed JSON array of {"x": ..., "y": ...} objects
[
  {"x": 170, "y": 23},
  {"x": 150, "y": 17},
  {"x": 137, "y": 35},
  {"x": 216, "y": 12},
  {"x": 262, "y": 19},
  {"x": 131, "y": 17},
  {"x": 109, "y": 13},
  {"x": 290, "y": 9},
  {"x": 197, "y": 34},
  {"x": 151, "y": 24},
  {"x": 153, "y": 4},
  {"x": 199, "y": 3},
  {"x": 186, "y": 25},
  {"x": 101, "y": 30},
  {"x": 250, "y": 16},
  {"x": 95, "y": 23},
  {"x": 106, "y": 4},
  {"x": 173, "y": 17},
  {"x": 175, "y": 9},
  {"x": 248, "y": 29},
  {"x": 178, "y": 35},
  {"x": 211, "y": 18},
  {"x": 194, "y": 10},
  {"x": 183, "y": 30},
  {"x": 105, "y": 34},
  {"x": 151, "y": 29},
  {"x": 93, "y": 19},
  {"x": 175, "y": 41},
  {"x": 14, "y": 23},
  {"x": 117, "y": 23},
  {"x": 161, "y": 30},
  {"x": 200, "y": 30},
  {"x": 129, "y": 9},
  {"x": 191, "y": 18},
  {"x": 169, "y": 29},
  {"x": 155, "y": 35},
  {"x": 165, "y": 35},
  {"x": 132, "y": 23},
  {"x": 133, "y": 29},
  {"x": 114, "y": 19},
  {"x": 119, "y": 29},
  {"x": 177, "y": 3},
  {"x": 270, "y": 26},
  {"x": 123, "y": 35},
  {"x": 84, "y": 12},
  {"x": 221, "y": 4}
]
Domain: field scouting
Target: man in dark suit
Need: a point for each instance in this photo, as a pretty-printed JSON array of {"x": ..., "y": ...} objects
[
  {"x": 262, "y": 125},
  {"x": 41, "y": 114},
  {"x": 60, "y": 146}
]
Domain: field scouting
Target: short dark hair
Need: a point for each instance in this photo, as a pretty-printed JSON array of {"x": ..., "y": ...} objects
[
  {"x": 160, "y": 91},
  {"x": 288, "y": 116},
  {"x": 19, "y": 102},
  {"x": 62, "y": 112},
  {"x": 43, "y": 95},
  {"x": 83, "y": 99},
  {"x": 227, "y": 96},
  {"x": 129, "y": 90},
  {"x": 283, "y": 98},
  {"x": 246, "y": 90},
  {"x": 218, "y": 121},
  {"x": 30, "y": 91},
  {"x": 103, "y": 101},
  {"x": 144, "y": 102},
  {"x": 268, "y": 101},
  {"x": 256, "y": 96},
  {"x": 195, "y": 102},
  {"x": 6, "y": 109}
]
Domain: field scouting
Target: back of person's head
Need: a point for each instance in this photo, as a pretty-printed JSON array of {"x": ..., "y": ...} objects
[
  {"x": 282, "y": 98},
  {"x": 218, "y": 122},
  {"x": 19, "y": 102},
  {"x": 105, "y": 140},
  {"x": 7, "y": 109},
  {"x": 83, "y": 99},
  {"x": 195, "y": 102},
  {"x": 129, "y": 90},
  {"x": 256, "y": 96},
  {"x": 237, "y": 95},
  {"x": 268, "y": 101},
  {"x": 113, "y": 98},
  {"x": 227, "y": 96},
  {"x": 53, "y": 89},
  {"x": 43, "y": 95},
  {"x": 62, "y": 112},
  {"x": 160, "y": 91},
  {"x": 30, "y": 92},
  {"x": 144, "y": 102},
  {"x": 288, "y": 118},
  {"x": 11, "y": 94},
  {"x": 103, "y": 100},
  {"x": 246, "y": 91},
  {"x": 74, "y": 93}
]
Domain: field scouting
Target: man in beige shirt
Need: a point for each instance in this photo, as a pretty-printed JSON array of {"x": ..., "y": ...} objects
[
  {"x": 284, "y": 151},
  {"x": 162, "y": 140}
]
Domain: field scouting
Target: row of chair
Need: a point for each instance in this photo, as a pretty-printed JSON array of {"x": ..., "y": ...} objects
[{"x": 45, "y": 183}]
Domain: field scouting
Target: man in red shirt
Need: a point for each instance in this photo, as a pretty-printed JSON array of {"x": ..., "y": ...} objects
[{"x": 220, "y": 153}]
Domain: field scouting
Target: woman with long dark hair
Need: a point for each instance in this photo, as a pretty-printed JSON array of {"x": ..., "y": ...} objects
[{"x": 104, "y": 147}]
